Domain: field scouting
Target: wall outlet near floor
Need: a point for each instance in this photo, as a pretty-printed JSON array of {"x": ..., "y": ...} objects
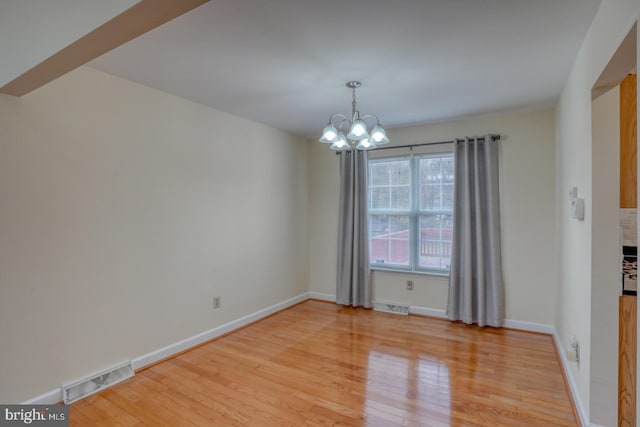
[
  {"x": 217, "y": 302},
  {"x": 573, "y": 352},
  {"x": 409, "y": 285}
]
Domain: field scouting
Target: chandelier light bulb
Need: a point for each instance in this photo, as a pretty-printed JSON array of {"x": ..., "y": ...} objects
[
  {"x": 378, "y": 135},
  {"x": 365, "y": 144},
  {"x": 329, "y": 133},
  {"x": 340, "y": 143},
  {"x": 358, "y": 130}
]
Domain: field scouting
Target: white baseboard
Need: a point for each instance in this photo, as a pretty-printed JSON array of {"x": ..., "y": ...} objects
[
  {"x": 163, "y": 353},
  {"x": 584, "y": 420},
  {"x": 49, "y": 398},
  {"x": 529, "y": 326},
  {"x": 426, "y": 311},
  {"x": 322, "y": 297},
  {"x": 508, "y": 323},
  {"x": 55, "y": 396}
]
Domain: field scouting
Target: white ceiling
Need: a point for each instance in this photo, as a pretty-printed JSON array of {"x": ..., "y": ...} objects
[
  {"x": 33, "y": 30},
  {"x": 285, "y": 62}
]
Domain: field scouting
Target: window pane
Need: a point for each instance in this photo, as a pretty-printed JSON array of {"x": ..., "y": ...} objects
[
  {"x": 379, "y": 198},
  {"x": 430, "y": 170},
  {"x": 389, "y": 239},
  {"x": 419, "y": 235},
  {"x": 400, "y": 172},
  {"x": 401, "y": 197},
  {"x": 436, "y": 232},
  {"x": 430, "y": 197},
  {"x": 379, "y": 173},
  {"x": 447, "y": 197},
  {"x": 436, "y": 183},
  {"x": 448, "y": 169},
  {"x": 390, "y": 185}
]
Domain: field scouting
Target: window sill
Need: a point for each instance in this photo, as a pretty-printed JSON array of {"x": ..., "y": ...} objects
[{"x": 419, "y": 273}]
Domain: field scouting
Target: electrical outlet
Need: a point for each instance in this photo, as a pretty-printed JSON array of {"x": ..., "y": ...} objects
[
  {"x": 409, "y": 285},
  {"x": 217, "y": 302},
  {"x": 573, "y": 353}
]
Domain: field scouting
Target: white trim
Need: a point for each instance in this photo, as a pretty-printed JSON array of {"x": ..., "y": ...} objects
[
  {"x": 584, "y": 420},
  {"x": 379, "y": 267},
  {"x": 49, "y": 398},
  {"x": 529, "y": 326},
  {"x": 55, "y": 396},
  {"x": 163, "y": 353},
  {"x": 322, "y": 297},
  {"x": 425, "y": 311},
  {"x": 508, "y": 323}
]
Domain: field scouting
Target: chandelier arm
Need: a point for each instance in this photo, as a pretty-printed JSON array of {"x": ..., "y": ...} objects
[
  {"x": 337, "y": 115},
  {"x": 344, "y": 120},
  {"x": 366, "y": 116}
]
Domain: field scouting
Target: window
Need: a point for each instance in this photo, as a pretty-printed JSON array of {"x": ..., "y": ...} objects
[{"x": 410, "y": 212}]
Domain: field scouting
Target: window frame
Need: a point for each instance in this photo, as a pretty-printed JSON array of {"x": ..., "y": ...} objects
[
  {"x": 414, "y": 213},
  {"x": 390, "y": 212}
]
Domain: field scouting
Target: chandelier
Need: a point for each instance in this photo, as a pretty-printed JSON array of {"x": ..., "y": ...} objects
[{"x": 359, "y": 135}]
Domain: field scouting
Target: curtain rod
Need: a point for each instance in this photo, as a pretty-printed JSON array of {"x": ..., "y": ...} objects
[
  {"x": 494, "y": 137},
  {"x": 410, "y": 146}
]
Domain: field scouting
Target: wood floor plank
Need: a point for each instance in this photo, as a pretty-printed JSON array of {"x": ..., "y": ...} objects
[{"x": 319, "y": 364}]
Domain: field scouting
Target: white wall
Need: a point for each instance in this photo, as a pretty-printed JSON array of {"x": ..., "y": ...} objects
[
  {"x": 528, "y": 216},
  {"x": 605, "y": 258},
  {"x": 124, "y": 210},
  {"x": 574, "y": 166},
  {"x": 324, "y": 181}
]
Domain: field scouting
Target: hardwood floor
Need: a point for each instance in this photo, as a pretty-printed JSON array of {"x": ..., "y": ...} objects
[
  {"x": 319, "y": 364},
  {"x": 627, "y": 361}
]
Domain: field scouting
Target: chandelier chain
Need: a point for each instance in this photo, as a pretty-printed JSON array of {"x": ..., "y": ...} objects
[{"x": 353, "y": 103}]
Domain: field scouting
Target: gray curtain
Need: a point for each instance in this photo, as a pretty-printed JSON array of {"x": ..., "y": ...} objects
[
  {"x": 353, "y": 285},
  {"x": 476, "y": 290}
]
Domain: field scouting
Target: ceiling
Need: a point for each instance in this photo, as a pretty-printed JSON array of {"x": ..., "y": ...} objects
[
  {"x": 31, "y": 30},
  {"x": 284, "y": 62},
  {"x": 622, "y": 63}
]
